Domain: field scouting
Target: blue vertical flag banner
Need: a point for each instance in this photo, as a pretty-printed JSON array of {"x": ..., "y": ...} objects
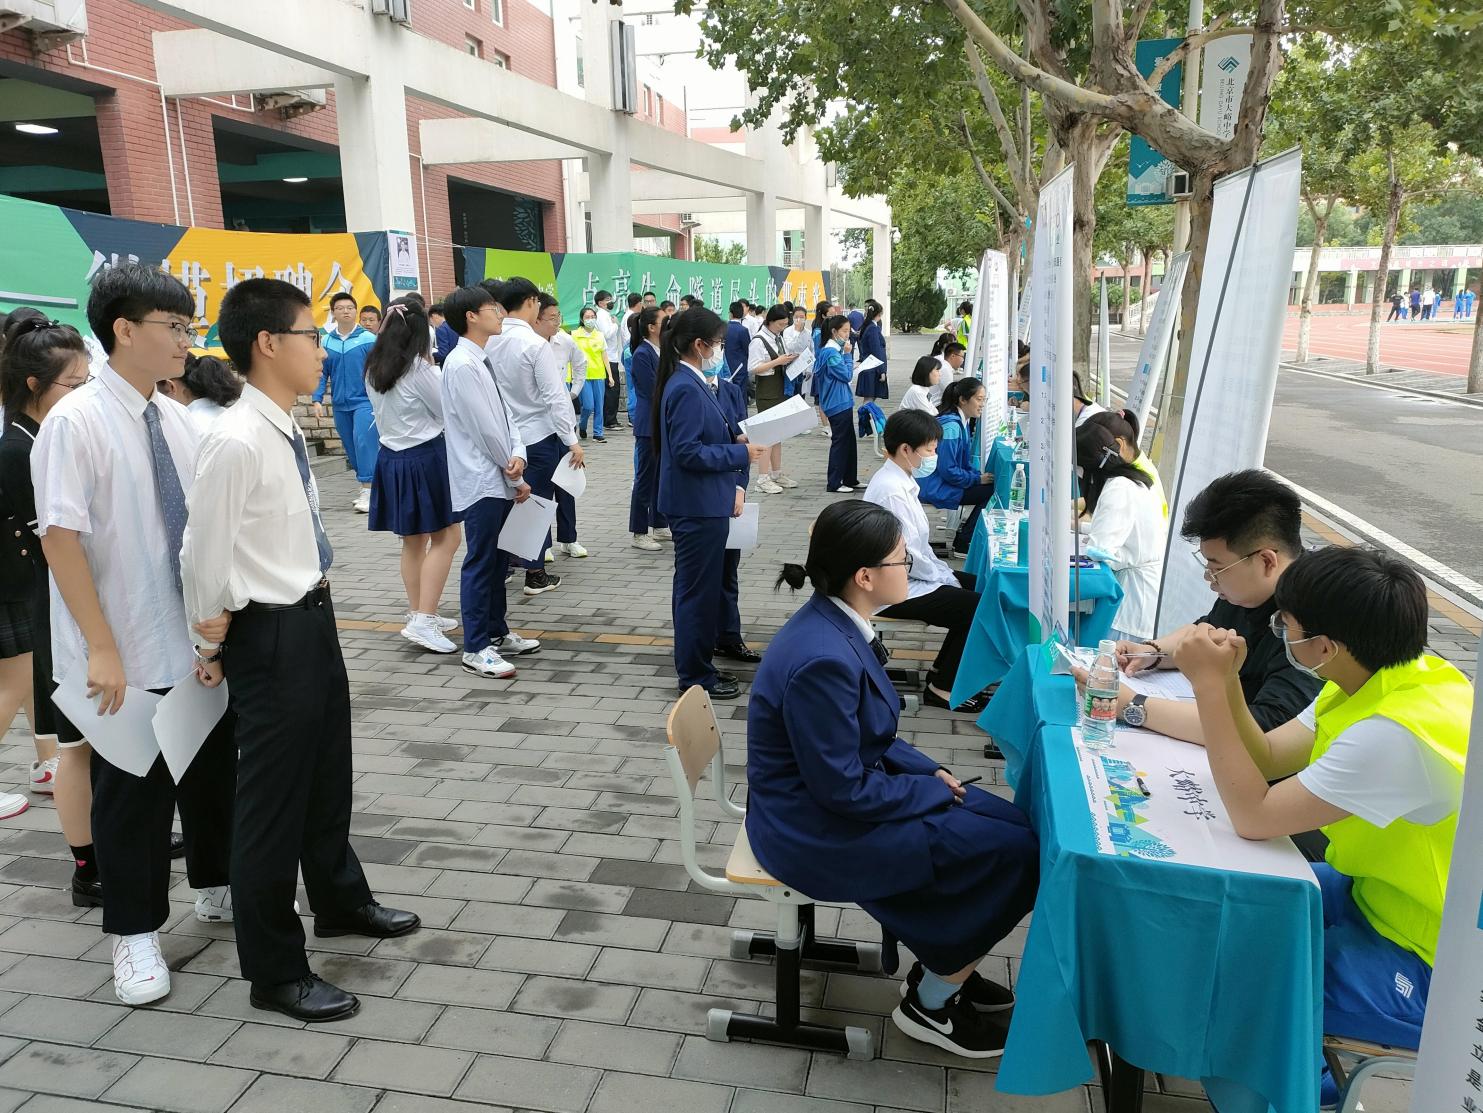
[{"x": 1149, "y": 172}]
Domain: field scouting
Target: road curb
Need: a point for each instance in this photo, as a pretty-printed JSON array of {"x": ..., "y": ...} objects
[{"x": 1439, "y": 395}]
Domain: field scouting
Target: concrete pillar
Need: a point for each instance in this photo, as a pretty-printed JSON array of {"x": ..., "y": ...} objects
[
  {"x": 762, "y": 229},
  {"x": 815, "y": 236},
  {"x": 140, "y": 156},
  {"x": 610, "y": 188},
  {"x": 375, "y": 159},
  {"x": 1351, "y": 286},
  {"x": 1459, "y": 280},
  {"x": 880, "y": 278},
  {"x": 1403, "y": 285}
]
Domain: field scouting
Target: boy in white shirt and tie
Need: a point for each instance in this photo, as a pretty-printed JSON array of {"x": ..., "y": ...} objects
[
  {"x": 112, "y": 469},
  {"x": 254, "y": 562}
]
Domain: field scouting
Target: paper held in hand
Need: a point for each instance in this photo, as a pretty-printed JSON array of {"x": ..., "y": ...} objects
[
  {"x": 183, "y": 718},
  {"x": 571, "y": 480},
  {"x": 126, "y": 738},
  {"x": 786, "y": 419},
  {"x": 526, "y": 528},
  {"x": 869, "y": 363},
  {"x": 804, "y": 362},
  {"x": 742, "y": 533}
]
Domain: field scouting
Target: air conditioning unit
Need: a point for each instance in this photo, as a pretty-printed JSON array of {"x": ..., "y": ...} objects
[
  {"x": 52, "y": 23},
  {"x": 398, "y": 11},
  {"x": 623, "y": 50},
  {"x": 289, "y": 103}
]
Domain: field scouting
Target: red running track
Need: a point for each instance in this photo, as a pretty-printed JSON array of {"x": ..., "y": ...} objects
[{"x": 1442, "y": 347}]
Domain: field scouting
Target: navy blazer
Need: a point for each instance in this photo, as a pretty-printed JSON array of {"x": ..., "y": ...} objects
[
  {"x": 733, "y": 398},
  {"x": 699, "y": 458},
  {"x": 835, "y": 799},
  {"x": 643, "y": 376},
  {"x": 738, "y": 342}
]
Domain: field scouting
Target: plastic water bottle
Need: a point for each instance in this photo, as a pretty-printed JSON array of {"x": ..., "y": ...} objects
[
  {"x": 1018, "y": 488},
  {"x": 1099, "y": 707}
]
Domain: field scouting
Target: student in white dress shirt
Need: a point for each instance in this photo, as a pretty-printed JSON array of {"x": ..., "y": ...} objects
[
  {"x": 486, "y": 466},
  {"x": 925, "y": 377},
  {"x": 1127, "y": 527},
  {"x": 612, "y": 338},
  {"x": 112, "y": 465},
  {"x": 409, "y": 488},
  {"x": 568, "y": 355},
  {"x": 255, "y": 563},
  {"x": 936, "y": 594},
  {"x": 206, "y": 388}
]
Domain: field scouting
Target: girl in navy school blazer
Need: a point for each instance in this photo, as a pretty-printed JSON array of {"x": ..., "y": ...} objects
[
  {"x": 872, "y": 383},
  {"x": 843, "y": 809},
  {"x": 643, "y": 510}
]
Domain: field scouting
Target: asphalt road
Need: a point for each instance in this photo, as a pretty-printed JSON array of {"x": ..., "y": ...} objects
[{"x": 1410, "y": 466}]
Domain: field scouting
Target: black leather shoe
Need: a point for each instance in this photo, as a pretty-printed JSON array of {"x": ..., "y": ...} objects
[
  {"x": 725, "y": 688},
  {"x": 87, "y": 894},
  {"x": 310, "y": 999},
  {"x": 738, "y": 652},
  {"x": 369, "y": 919},
  {"x": 729, "y": 677},
  {"x": 972, "y": 706},
  {"x": 177, "y": 845}
]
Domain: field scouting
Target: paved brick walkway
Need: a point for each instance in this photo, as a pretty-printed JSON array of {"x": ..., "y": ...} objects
[{"x": 566, "y": 964}]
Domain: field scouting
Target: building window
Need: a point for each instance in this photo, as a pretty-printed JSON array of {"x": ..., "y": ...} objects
[
  {"x": 648, "y": 103},
  {"x": 471, "y": 5},
  {"x": 497, "y": 11},
  {"x": 659, "y": 103},
  {"x": 581, "y": 66},
  {"x": 500, "y": 60},
  {"x": 473, "y": 46}
]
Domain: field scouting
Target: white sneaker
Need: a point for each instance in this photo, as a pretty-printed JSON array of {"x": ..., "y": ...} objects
[
  {"x": 214, "y": 904},
  {"x": 362, "y": 503},
  {"x": 647, "y": 543},
  {"x": 551, "y": 554},
  {"x": 139, "y": 971},
  {"x": 488, "y": 663},
  {"x": 444, "y": 624},
  {"x": 423, "y": 631},
  {"x": 663, "y": 534},
  {"x": 513, "y": 645},
  {"x": 571, "y": 549},
  {"x": 768, "y": 487},
  {"x": 12, "y": 804},
  {"x": 844, "y": 490},
  {"x": 44, "y": 776},
  {"x": 783, "y": 481}
]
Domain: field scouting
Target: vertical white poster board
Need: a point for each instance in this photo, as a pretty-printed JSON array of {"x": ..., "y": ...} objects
[
  {"x": 992, "y": 323},
  {"x": 1233, "y": 356},
  {"x": 1449, "y": 1071},
  {"x": 1051, "y": 458},
  {"x": 1104, "y": 349},
  {"x": 1157, "y": 344}
]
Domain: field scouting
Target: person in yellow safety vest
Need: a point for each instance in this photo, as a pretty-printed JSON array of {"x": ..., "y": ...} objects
[
  {"x": 1376, "y": 763},
  {"x": 964, "y": 327}
]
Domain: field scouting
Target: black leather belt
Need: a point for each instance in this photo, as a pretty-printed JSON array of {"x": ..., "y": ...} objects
[{"x": 316, "y": 596}]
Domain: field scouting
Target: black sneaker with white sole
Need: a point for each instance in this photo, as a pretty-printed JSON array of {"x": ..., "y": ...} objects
[
  {"x": 540, "y": 581},
  {"x": 978, "y": 991},
  {"x": 956, "y": 1027}
]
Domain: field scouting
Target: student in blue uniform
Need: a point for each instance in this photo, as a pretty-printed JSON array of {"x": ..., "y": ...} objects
[
  {"x": 701, "y": 455},
  {"x": 834, "y": 369},
  {"x": 842, "y": 808},
  {"x": 957, "y": 480},
  {"x": 644, "y": 519},
  {"x": 346, "y": 347},
  {"x": 729, "y": 641}
]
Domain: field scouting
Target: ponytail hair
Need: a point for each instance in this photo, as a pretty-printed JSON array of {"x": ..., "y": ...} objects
[
  {"x": 639, "y": 325},
  {"x": 940, "y": 344},
  {"x": 1120, "y": 423},
  {"x": 680, "y": 333},
  {"x": 402, "y": 340},
  {"x": 32, "y": 346},
  {"x": 1099, "y": 460},
  {"x": 212, "y": 379},
  {"x": 958, "y": 391},
  {"x": 821, "y": 316},
  {"x": 848, "y": 536}
]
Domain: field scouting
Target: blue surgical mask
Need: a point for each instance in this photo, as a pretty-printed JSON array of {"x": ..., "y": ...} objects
[
  {"x": 925, "y": 468},
  {"x": 711, "y": 365}
]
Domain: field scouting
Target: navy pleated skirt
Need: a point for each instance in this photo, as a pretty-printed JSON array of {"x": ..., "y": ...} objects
[
  {"x": 986, "y": 868},
  {"x": 409, "y": 490}
]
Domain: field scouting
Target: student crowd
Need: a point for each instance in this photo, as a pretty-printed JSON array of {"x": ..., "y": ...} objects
[{"x": 164, "y": 527}]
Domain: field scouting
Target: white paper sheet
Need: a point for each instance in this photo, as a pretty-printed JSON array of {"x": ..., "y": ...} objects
[
  {"x": 126, "y": 738},
  {"x": 804, "y": 362},
  {"x": 1161, "y": 684},
  {"x": 743, "y": 530},
  {"x": 526, "y": 527},
  {"x": 786, "y": 419},
  {"x": 571, "y": 480},
  {"x": 183, "y": 719},
  {"x": 869, "y": 363}
]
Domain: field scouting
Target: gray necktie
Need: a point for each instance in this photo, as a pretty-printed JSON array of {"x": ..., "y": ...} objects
[
  {"x": 301, "y": 457},
  {"x": 167, "y": 486}
]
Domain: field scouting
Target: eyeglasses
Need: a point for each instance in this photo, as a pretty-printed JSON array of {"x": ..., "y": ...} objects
[
  {"x": 904, "y": 562},
  {"x": 74, "y": 386},
  {"x": 314, "y": 332},
  {"x": 182, "y": 332},
  {"x": 1279, "y": 628},
  {"x": 1213, "y": 574}
]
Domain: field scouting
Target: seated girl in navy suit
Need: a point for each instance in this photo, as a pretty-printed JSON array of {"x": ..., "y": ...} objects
[{"x": 843, "y": 809}]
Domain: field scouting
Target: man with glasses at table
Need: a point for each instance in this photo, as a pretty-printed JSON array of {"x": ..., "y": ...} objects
[
  {"x": 1376, "y": 762},
  {"x": 1247, "y": 529}
]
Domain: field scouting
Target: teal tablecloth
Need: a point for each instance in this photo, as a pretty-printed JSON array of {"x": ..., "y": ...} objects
[
  {"x": 1001, "y": 625},
  {"x": 1001, "y": 463},
  {"x": 1195, "y": 972}
]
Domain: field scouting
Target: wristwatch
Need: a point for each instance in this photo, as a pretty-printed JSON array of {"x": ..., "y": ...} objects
[
  {"x": 1135, "y": 714},
  {"x": 205, "y": 658}
]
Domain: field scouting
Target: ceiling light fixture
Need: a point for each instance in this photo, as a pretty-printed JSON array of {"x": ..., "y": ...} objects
[
  {"x": 295, "y": 181},
  {"x": 36, "y": 129}
]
